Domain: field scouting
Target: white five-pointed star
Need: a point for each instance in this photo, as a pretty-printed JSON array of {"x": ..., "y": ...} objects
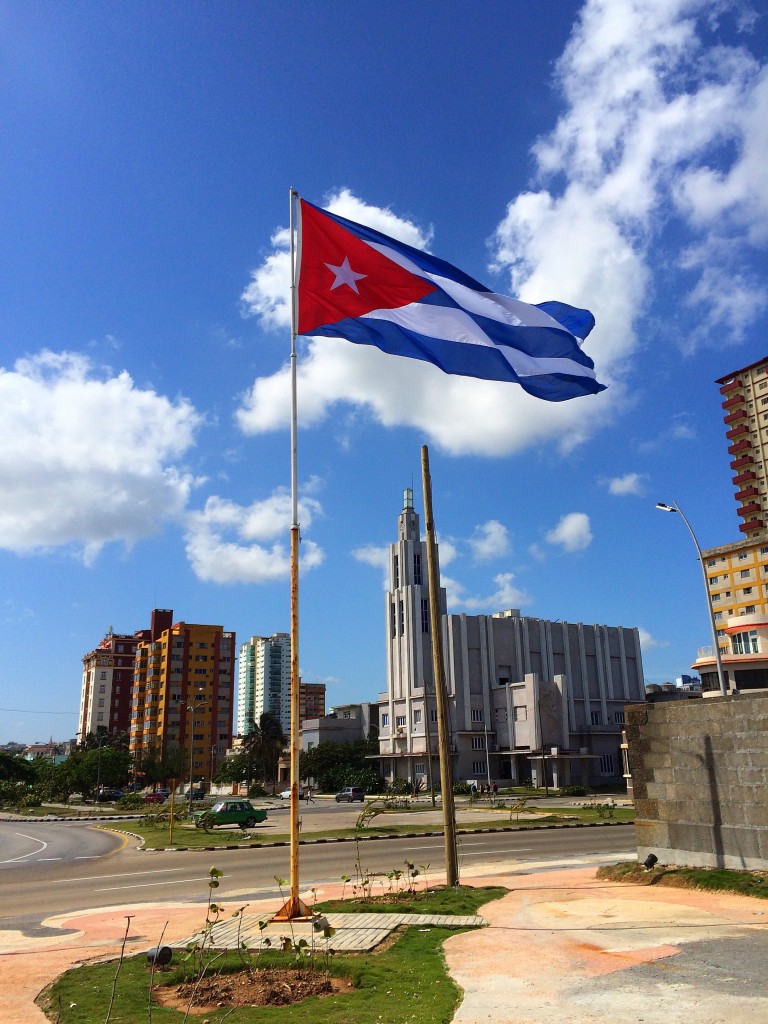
[{"x": 345, "y": 275}]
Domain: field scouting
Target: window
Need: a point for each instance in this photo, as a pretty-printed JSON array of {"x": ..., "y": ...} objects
[
  {"x": 764, "y": 551},
  {"x": 606, "y": 764},
  {"x": 433, "y": 714},
  {"x": 716, "y": 597},
  {"x": 745, "y": 643},
  {"x": 477, "y": 714},
  {"x": 101, "y": 702},
  {"x": 417, "y": 568},
  {"x": 595, "y": 717},
  {"x": 618, "y": 717},
  {"x": 103, "y": 688},
  {"x": 478, "y": 767},
  {"x": 401, "y": 616},
  {"x": 478, "y": 742},
  {"x": 102, "y": 675},
  {"x": 400, "y": 721},
  {"x": 711, "y": 562},
  {"x": 396, "y": 571},
  {"x": 749, "y": 610},
  {"x": 393, "y": 619},
  {"x": 347, "y": 714},
  {"x": 504, "y": 674},
  {"x": 744, "y": 574},
  {"x": 417, "y": 716},
  {"x": 718, "y": 616},
  {"x": 385, "y": 718},
  {"x": 713, "y": 580},
  {"x": 521, "y": 713},
  {"x": 746, "y": 591},
  {"x": 424, "y": 615},
  {"x": 419, "y": 768},
  {"x": 742, "y": 555}
]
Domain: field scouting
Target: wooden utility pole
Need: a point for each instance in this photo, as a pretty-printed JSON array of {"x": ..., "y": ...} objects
[{"x": 438, "y": 669}]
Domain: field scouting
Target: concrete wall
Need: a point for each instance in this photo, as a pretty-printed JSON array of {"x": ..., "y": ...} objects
[{"x": 700, "y": 777}]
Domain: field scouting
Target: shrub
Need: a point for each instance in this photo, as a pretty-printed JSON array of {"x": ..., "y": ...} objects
[
  {"x": 131, "y": 802},
  {"x": 573, "y": 791}
]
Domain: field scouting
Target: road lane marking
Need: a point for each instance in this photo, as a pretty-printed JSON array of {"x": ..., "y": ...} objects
[
  {"x": 39, "y": 859},
  {"x": 147, "y": 885},
  {"x": 88, "y": 856},
  {"x": 43, "y": 846},
  {"x": 121, "y": 874}
]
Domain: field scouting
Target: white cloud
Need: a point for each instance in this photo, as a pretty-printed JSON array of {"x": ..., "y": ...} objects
[
  {"x": 86, "y": 457},
  {"x": 229, "y": 543},
  {"x": 377, "y": 557},
  {"x": 507, "y": 595},
  {"x": 630, "y": 483},
  {"x": 490, "y": 540},
  {"x": 647, "y": 641},
  {"x": 658, "y": 126},
  {"x": 572, "y": 533},
  {"x": 677, "y": 429}
]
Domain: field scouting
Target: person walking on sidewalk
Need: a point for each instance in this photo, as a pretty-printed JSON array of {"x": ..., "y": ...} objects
[{"x": 308, "y": 794}]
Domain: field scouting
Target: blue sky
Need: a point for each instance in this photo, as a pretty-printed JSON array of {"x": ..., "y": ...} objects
[{"x": 610, "y": 154}]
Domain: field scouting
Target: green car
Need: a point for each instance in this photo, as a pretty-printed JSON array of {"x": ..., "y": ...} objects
[{"x": 231, "y": 811}]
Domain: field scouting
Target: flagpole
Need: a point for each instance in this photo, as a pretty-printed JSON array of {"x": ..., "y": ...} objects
[
  {"x": 441, "y": 695},
  {"x": 294, "y": 908}
]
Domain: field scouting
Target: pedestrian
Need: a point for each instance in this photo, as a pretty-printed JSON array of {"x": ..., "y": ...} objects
[
  {"x": 309, "y": 795},
  {"x": 495, "y": 789}
]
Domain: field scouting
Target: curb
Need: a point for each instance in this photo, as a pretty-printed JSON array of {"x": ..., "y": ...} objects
[{"x": 369, "y": 839}]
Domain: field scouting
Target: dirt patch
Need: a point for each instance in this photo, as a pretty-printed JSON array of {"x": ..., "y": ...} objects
[{"x": 262, "y": 987}]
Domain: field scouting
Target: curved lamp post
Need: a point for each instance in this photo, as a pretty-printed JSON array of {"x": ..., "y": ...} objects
[
  {"x": 192, "y": 706},
  {"x": 674, "y": 507}
]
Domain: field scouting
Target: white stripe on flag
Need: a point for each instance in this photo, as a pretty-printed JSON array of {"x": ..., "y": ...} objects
[{"x": 446, "y": 323}]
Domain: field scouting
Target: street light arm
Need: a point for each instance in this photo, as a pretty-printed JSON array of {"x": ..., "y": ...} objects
[{"x": 674, "y": 507}]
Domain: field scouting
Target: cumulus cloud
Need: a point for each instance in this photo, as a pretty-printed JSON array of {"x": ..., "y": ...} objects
[
  {"x": 647, "y": 641},
  {"x": 659, "y": 126},
  {"x": 489, "y": 541},
  {"x": 377, "y": 557},
  {"x": 86, "y": 457},
  {"x": 630, "y": 483},
  {"x": 506, "y": 595},
  {"x": 572, "y": 533},
  {"x": 231, "y": 543}
]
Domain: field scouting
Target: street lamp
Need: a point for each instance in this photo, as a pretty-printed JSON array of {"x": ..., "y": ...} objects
[
  {"x": 191, "y": 706},
  {"x": 674, "y": 507}
]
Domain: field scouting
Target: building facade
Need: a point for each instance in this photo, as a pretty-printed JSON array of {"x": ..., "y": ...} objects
[
  {"x": 264, "y": 681},
  {"x": 745, "y": 408},
  {"x": 527, "y": 697},
  {"x": 105, "y": 694},
  {"x": 182, "y": 694},
  {"x": 737, "y": 573}
]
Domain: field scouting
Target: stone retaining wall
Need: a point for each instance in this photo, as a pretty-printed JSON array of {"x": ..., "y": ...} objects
[{"x": 700, "y": 778}]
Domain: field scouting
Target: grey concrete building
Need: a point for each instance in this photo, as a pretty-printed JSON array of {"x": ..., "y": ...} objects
[{"x": 525, "y": 694}]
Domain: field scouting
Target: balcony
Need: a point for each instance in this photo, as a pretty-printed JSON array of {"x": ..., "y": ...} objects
[
  {"x": 748, "y": 510},
  {"x": 743, "y": 460},
  {"x": 754, "y": 524},
  {"x": 739, "y": 446},
  {"x": 746, "y": 492},
  {"x": 732, "y": 417},
  {"x": 744, "y": 477},
  {"x": 742, "y": 428},
  {"x": 730, "y": 387},
  {"x": 729, "y": 403}
]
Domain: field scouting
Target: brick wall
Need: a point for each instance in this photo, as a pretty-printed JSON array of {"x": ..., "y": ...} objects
[{"x": 700, "y": 779}]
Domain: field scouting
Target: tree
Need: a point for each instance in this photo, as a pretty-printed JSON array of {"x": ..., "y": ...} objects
[
  {"x": 259, "y": 756},
  {"x": 334, "y": 765},
  {"x": 15, "y": 769}
]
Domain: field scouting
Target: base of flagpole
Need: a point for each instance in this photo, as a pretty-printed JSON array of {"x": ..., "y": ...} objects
[{"x": 294, "y": 909}]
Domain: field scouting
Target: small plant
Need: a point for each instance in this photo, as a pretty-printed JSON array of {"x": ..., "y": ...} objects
[{"x": 518, "y": 808}]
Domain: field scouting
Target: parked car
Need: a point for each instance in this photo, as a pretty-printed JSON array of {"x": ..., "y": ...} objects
[
  {"x": 106, "y": 796},
  {"x": 198, "y": 794},
  {"x": 230, "y": 811},
  {"x": 154, "y": 798},
  {"x": 286, "y": 794},
  {"x": 350, "y": 793}
]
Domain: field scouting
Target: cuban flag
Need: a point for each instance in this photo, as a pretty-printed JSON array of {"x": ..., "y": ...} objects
[{"x": 355, "y": 283}]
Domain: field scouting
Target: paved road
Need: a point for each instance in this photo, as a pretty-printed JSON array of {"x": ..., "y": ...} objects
[
  {"x": 31, "y": 842},
  {"x": 36, "y": 890}
]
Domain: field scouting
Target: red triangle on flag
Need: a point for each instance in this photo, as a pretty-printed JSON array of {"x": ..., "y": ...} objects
[{"x": 342, "y": 276}]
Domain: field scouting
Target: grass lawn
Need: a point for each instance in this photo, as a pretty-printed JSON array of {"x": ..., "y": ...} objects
[
  {"x": 747, "y": 883},
  {"x": 186, "y": 836},
  {"x": 405, "y": 982}
]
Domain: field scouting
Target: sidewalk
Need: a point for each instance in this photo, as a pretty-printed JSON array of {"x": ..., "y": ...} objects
[{"x": 560, "y": 946}]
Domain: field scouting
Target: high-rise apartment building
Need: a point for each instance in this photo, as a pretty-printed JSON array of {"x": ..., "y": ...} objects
[
  {"x": 521, "y": 691},
  {"x": 105, "y": 693},
  {"x": 311, "y": 701},
  {"x": 737, "y": 573},
  {"x": 264, "y": 681},
  {"x": 745, "y": 406},
  {"x": 182, "y": 695}
]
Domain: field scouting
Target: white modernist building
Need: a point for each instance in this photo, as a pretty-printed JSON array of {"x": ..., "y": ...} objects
[
  {"x": 264, "y": 681},
  {"x": 525, "y": 695}
]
